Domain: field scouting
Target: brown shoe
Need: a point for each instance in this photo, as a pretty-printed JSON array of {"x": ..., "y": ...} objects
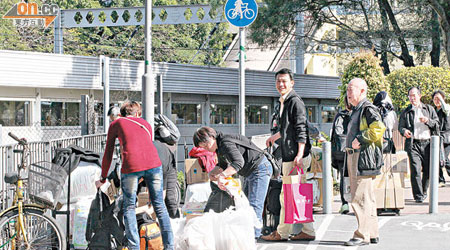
[
  {"x": 303, "y": 237},
  {"x": 274, "y": 236}
]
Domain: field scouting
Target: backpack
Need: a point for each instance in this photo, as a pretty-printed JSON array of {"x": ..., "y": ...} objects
[
  {"x": 149, "y": 233},
  {"x": 338, "y": 141},
  {"x": 165, "y": 130}
]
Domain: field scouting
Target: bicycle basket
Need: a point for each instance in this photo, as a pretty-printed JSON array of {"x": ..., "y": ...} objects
[{"x": 45, "y": 183}]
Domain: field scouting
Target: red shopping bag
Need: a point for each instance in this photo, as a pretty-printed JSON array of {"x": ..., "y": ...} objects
[{"x": 298, "y": 200}]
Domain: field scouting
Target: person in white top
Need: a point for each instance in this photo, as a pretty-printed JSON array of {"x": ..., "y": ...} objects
[{"x": 417, "y": 123}]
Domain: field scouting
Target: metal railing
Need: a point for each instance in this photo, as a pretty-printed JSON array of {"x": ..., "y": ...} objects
[{"x": 41, "y": 151}]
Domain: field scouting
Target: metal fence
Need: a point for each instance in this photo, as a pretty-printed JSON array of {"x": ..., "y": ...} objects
[{"x": 40, "y": 151}]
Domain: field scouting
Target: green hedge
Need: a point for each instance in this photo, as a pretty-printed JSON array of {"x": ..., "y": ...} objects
[
  {"x": 428, "y": 78},
  {"x": 365, "y": 65}
]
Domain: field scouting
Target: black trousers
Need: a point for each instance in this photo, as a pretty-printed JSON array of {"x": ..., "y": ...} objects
[
  {"x": 342, "y": 173},
  {"x": 419, "y": 162}
]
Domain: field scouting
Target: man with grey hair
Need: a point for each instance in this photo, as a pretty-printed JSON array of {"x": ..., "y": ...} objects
[
  {"x": 364, "y": 160},
  {"x": 113, "y": 113}
]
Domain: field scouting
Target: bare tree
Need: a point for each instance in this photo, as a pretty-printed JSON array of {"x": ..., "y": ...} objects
[
  {"x": 442, "y": 8},
  {"x": 391, "y": 31}
]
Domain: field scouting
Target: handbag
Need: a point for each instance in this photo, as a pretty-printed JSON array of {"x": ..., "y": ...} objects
[
  {"x": 298, "y": 199},
  {"x": 276, "y": 166}
]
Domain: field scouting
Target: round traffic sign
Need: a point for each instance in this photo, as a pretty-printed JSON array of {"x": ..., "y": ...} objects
[{"x": 241, "y": 13}]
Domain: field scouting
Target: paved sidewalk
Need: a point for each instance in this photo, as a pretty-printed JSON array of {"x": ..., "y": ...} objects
[
  {"x": 411, "y": 207},
  {"x": 414, "y": 229}
]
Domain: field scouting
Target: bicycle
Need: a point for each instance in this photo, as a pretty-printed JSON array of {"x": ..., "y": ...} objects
[
  {"x": 248, "y": 13},
  {"x": 23, "y": 225}
]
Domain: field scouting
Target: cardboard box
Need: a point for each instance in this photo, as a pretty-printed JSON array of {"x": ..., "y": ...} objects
[
  {"x": 194, "y": 172},
  {"x": 389, "y": 192},
  {"x": 191, "y": 216},
  {"x": 398, "y": 163},
  {"x": 316, "y": 160},
  {"x": 317, "y": 191}
]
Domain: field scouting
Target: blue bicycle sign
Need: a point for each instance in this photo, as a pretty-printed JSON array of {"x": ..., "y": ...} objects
[{"x": 241, "y": 13}]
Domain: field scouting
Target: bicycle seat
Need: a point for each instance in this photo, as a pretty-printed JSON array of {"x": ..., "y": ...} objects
[{"x": 11, "y": 178}]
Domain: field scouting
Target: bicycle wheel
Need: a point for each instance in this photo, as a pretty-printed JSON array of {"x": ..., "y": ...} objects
[
  {"x": 232, "y": 14},
  {"x": 249, "y": 14},
  {"x": 42, "y": 231}
]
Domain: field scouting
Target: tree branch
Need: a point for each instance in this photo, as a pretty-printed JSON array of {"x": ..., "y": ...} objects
[{"x": 406, "y": 57}]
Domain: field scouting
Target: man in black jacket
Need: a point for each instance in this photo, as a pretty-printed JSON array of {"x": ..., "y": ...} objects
[
  {"x": 417, "y": 123},
  {"x": 364, "y": 160},
  {"x": 295, "y": 147}
]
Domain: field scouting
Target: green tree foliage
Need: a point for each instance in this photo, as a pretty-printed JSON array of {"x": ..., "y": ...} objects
[
  {"x": 187, "y": 43},
  {"x": 364, "y": 65},
  {"x": 428, "y": 78}
]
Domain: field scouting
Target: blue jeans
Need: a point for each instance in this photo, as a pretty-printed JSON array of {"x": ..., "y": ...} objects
[
  {"x": 255, "y": 188},
  {"x": 154, "y": 181}
]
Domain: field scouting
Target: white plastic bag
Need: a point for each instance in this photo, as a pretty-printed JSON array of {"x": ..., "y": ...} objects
[
  {"x": 61, "y": 219},
  {"x": 229, "y": 230},
  {"x": 198, "y": 192},
  {"x": 80, "y": 222},
  {"x": 234, "y": 229},
  {"x": 178, "y": 231},
  {"x": 198, "y": 234},
  {"x": 82, "y": 181}
]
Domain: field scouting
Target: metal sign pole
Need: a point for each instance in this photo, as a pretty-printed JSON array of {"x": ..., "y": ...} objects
[
  {"x": 242, "y": 81},
  {"x": 148, "y": 88},
  {"x": 241, "y": 14}
]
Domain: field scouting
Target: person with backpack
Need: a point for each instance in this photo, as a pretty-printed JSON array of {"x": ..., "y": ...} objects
[
  {"x": 384, "y": 104},
  {"x": 338, "y": 142},
  {"x": 443, "y": 113},
  {"x": 237, "y": 154},
  {"x": 139, "y": 159}
]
